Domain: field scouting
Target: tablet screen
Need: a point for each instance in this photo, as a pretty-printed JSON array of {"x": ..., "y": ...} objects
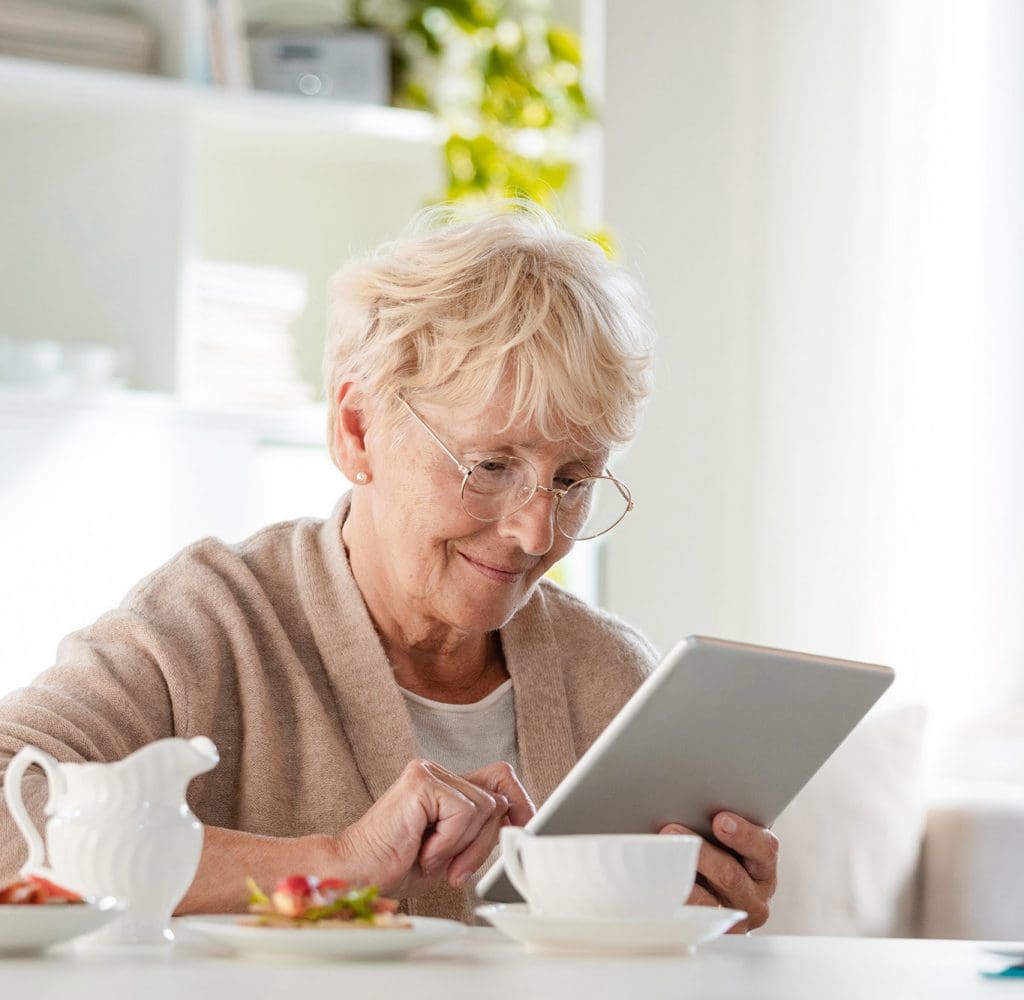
[{"x": 718, "y": 725}]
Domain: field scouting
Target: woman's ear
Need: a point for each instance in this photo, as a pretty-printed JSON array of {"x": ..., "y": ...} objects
[{"x": 350, "y": 433}]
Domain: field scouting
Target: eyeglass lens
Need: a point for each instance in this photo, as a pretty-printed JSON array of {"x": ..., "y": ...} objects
[{"x": 500, "y": 485}]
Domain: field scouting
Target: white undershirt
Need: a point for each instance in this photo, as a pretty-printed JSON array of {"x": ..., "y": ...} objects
[{"x": 463, "y": 738}]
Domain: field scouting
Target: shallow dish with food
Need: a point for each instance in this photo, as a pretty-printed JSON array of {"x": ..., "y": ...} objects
[
  {"x": 679, "y": 934},
  {"x": 26, "y": 929},
  {"x": 325, "y": 940}
]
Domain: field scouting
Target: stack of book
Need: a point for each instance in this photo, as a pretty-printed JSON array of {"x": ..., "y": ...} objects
[
  {"x": 48, "y": 31},
  {"x": 237, "y": 349},
  {"x": 228, "y": 48}
]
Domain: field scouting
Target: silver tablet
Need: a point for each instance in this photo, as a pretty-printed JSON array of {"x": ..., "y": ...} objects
[{"x": 718, "y": 725}]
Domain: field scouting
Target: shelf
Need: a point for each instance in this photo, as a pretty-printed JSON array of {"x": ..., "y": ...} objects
[
  {"x": 363, "y": 131},
  {"x": 255, "y": 118}
]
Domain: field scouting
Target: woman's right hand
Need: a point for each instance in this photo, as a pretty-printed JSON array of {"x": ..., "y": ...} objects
[{"x": 432, "y": 827}]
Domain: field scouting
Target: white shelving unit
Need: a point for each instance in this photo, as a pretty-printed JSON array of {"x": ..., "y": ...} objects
[{"x": 111, "y": 184}]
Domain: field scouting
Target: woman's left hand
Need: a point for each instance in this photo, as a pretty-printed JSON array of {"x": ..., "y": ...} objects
[{"x": 743, "y": 883}]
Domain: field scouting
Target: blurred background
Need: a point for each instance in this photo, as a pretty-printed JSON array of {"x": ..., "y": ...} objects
[{"x": 821, "y": 199}]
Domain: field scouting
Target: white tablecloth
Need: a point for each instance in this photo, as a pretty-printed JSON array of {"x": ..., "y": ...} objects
[{"x": 482, "y": 964}]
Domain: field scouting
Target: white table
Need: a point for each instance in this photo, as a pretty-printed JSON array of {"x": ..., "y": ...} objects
[{"x": 485, "y": 966}]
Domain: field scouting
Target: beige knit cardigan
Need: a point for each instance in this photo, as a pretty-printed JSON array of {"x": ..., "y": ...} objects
[{"x": 267, "y": 648}]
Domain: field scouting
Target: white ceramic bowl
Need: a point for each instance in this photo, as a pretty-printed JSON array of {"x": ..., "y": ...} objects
[{"x": 25, "y": 929}]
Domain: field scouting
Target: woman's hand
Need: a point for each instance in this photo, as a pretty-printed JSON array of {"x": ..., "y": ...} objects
[
  {"x": 746, "y": 883},
  {"x": 432, "y": 826}
]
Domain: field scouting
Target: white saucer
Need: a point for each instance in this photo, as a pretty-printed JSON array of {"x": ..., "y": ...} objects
[{"x": 679, "y": 934}]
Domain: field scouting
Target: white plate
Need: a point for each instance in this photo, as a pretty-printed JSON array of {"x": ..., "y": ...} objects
[
  {"x": 680, "y": 934},
  {"x": 25, "y": 929},
  {"x": 323, "y": 942}
]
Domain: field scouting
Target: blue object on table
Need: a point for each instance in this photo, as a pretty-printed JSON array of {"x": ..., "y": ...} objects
[{"x": 1010, "y": 972}]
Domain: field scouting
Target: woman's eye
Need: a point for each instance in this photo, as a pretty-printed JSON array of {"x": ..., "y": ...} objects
[
  {"x": 564, "y": 482},
  {"x": 492, "y": 465}
]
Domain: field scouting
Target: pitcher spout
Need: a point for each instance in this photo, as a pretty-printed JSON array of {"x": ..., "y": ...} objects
[
  {"x": 205, "y": 754},
  {"x": 165, "y": 767}
]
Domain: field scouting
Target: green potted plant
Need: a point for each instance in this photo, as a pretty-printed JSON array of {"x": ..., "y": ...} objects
[{"x": 505, "y": 80}]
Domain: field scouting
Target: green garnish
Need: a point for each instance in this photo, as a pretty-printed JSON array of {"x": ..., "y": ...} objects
[
  {"x": 257, "y": 897},
  {"x": 358, "y": 902}
]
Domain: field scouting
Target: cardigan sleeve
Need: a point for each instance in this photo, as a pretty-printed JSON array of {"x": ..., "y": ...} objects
[{"x": 192, "y": 645}]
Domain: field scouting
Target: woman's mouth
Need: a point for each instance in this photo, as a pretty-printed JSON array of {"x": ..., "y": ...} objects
[{"x": 499, "y": 574}]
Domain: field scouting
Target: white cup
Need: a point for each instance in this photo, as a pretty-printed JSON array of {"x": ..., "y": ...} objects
[{"x": 601, "y": 876}]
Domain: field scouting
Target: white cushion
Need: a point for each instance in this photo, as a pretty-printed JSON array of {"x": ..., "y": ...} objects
[
  {"x": 850, "y": 841},
  {"x": 973, "y": 862}
]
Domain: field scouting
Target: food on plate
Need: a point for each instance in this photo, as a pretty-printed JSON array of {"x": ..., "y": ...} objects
[
  {"x": 308, "y": 901},
  {"x": 38, "y": 891}
]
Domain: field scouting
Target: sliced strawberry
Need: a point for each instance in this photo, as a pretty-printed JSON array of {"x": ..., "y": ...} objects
[
  {"x": 26, "y": 893},
  {"x": 296, "y": 885},
  {"x": 293, "y": 895},
  {"x": 50, "y": 890},
  {"x": 9, "y": 892}
]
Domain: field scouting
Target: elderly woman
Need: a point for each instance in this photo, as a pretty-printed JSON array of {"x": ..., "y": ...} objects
[{"x": 390, "y": 686}]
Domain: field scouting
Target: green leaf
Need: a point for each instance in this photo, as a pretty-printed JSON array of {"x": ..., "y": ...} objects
[
  {"x": 564, "y": 44},
  {"x": 515, "y": 80},
  {"x": 257, "y": 897},
  {"x": 357, "y": 902}
]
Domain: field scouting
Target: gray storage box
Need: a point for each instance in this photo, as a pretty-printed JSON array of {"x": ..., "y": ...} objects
[{"x": 341, "y": 64}]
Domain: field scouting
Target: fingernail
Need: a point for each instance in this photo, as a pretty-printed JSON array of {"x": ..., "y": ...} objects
[
  {"x": 727, "y": 824},
  {"x": 462, "y": 880}
]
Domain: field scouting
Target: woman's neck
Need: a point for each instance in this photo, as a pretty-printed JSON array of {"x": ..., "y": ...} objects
[
  {"x": 460, "y": 676},
  {"x": 429, "y": 658}
]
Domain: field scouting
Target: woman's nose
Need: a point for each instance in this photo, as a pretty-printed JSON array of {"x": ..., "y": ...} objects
[{"x": 533, "y": 525}]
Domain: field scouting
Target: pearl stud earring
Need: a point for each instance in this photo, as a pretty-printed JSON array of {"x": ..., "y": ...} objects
[{"x": 362, "y": 477}]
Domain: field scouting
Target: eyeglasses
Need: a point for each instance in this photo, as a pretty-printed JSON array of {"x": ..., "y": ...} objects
[{"x": 496, "y": 486}]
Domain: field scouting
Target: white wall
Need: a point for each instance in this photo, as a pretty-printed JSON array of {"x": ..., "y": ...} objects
[
  {"x": 819, "y": 196},
  {"x": 95, "y": 495}
]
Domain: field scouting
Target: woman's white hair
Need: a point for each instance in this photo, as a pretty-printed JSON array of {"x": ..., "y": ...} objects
[{"x": 455, "y": 307}]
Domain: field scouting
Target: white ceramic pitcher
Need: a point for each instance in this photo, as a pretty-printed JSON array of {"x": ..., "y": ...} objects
[{"x": 121, "y": 829}]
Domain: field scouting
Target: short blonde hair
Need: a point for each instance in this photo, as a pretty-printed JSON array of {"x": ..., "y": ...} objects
[{"x": 454, "y": 307}]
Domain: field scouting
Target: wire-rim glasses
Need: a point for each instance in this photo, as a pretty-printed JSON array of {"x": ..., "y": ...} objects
[{"x": 496, "y": 486}]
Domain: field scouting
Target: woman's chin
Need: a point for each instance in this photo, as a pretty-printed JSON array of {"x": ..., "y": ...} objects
[{"x": 489, "y": 616}]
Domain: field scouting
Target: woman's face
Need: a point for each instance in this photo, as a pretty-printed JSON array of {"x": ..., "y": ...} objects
[{"x": 432, "y": 567}]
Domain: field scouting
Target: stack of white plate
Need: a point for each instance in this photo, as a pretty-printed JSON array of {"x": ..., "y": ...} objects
[{"x": 237, "y": 347}]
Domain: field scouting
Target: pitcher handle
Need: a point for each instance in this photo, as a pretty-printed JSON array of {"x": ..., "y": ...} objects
[
  {"x": 511, "y": 839},
  {"x": 20, "y": 763}
]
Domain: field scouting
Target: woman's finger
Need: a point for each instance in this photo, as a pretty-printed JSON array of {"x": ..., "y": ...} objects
[
  {"x": 476, "y": 853},
  {"x": 719, "y": 875},
  {"x": 756, "y": 845},
  {"x": 461, "y": 809},
  {"x": 702, "y": 897},
  {"x": 722, "y": 879},
  {"x": 729, "y": 880},
  {"x": 501, "y": 778}
]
